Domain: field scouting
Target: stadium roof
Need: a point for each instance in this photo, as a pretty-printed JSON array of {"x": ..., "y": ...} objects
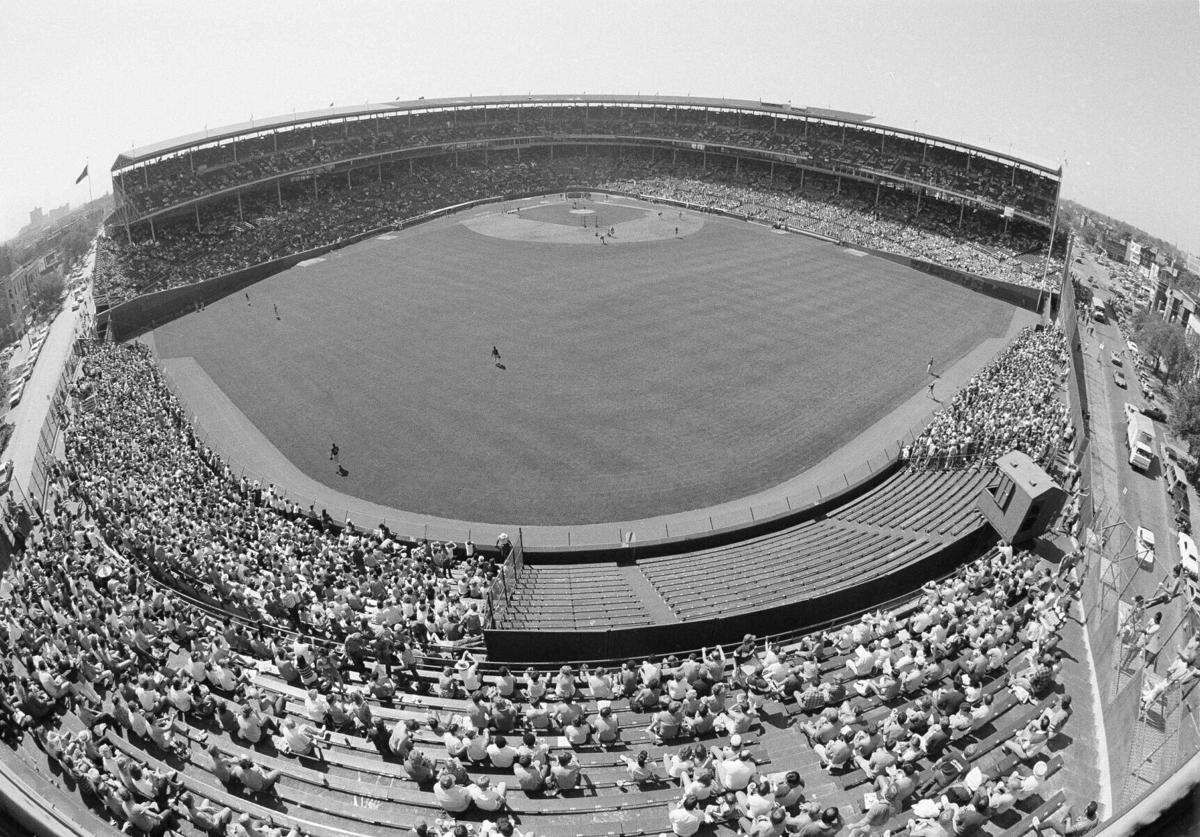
[{"x": 158, "y": 149}]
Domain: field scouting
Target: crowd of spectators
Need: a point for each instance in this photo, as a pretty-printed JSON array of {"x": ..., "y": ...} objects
[
  {"x": 91, "y": 636},
  {"x": 174, "y": 504},
  {"x": 833, "y": 147},
  {"x": 851, "y": 215},
  {"x": 143, "y": 521},
  {"x": 301, "y": 217},
  {"x": 1013, "y": 403},
  {"x": 270, "y": 224}
]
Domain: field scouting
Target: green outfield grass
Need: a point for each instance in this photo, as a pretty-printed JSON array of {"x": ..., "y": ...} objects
[{"x": 642, "y": 378}]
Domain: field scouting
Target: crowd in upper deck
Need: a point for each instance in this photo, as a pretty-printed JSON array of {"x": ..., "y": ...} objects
[
  {"x": 849, "y": 213},
  {"x": 171, "y": 180},
  {"x": 271, "y": 224}
]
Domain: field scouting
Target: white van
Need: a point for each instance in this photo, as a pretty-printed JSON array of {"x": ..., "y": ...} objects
[
  {"x": 1139, "y": 439},
  {"x": 1175, "y": 478}
]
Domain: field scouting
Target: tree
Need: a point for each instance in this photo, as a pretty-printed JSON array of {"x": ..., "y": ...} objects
[
  {"x": 1185, "y": 415},
  {"x": 74, "y": 245},
  {"x": 47, "y": 294},
  {"x": 1167, "y": 343}
]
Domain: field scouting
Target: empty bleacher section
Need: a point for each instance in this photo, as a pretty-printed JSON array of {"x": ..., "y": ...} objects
[
  {"x": 879, "y": 545},
  {"x": 576, "y": 597},
  {"x": 818, "y": 557}
]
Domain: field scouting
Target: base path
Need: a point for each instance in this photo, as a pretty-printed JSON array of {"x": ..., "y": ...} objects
[{"x": 227, "y": 430}]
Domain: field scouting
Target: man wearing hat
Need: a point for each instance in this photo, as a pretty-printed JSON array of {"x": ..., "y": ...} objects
[{"x": 735, "y": 774}]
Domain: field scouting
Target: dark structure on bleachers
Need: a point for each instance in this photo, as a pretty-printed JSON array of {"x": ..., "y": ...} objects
[{"x": 1021, "y": 500}]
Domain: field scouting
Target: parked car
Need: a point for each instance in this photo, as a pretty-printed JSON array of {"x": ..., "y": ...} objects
[
  {"x": 1145, "y": 546},
  {"x": 1119, "y": 378},
  {"x": 1115, "y": 358},
  {"x": 1155, "y": 413},
  {"x": 1183, "y": 511},
  {"x": 1189, "y": 558},
  {"x": 14, "y": 397}
]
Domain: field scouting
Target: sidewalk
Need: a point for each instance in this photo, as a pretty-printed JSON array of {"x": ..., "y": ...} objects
[
  {"x": 29, "y": 415},
  {"x": 1144, "y": 748}
]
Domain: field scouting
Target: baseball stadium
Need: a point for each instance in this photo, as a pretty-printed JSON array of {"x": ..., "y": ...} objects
[{"x": 584, "y": 465}]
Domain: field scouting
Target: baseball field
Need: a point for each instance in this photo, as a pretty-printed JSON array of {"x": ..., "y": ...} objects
[{"x": 686, "y": 360}]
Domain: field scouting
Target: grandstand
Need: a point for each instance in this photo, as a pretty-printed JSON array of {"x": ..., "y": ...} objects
[
  {"x": 190, "y": 651},
  {"x": 289, "y": 184}
]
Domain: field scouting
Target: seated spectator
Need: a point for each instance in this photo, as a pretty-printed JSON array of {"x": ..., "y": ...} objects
[
  {"x": 453, "y": 797},
  {"x": 639, "y": 768},
  {"x": 1030, "y": 740},
  {"x": 501, "y": 753},
  {"x": 878, "y": 813},
  {"x": 735, "y": 773},
  {"x": 299, "y": 739},
  {"x": 1068, "y": 823},
  {"x": 606, "y": 728},
  {"x": 823, "y": 824},
  {"x": 788, "y": 790},
  {"x": 253, "y": 779},
  {"x": 686, "y": 819},
  {"x": 485, "y": 797},
  {"x": 530, "y": 775},
  {"x": 667, "y": 723},
  {"x": 1034, "y": 681},
  {"x": 565, "y": 773},
  {"x": 723, "y": 810}
]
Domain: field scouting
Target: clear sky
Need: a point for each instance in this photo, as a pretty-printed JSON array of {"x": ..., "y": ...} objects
[{"x": 1111, "y": 88}]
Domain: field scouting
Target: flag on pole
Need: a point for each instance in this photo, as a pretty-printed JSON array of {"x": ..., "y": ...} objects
[{"x": 82, "y": 174}]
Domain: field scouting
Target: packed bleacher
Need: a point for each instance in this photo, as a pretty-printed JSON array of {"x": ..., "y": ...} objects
[
  {"x": 848, "y": 148},
  {"x": 270, "y": 224},
  {"x": 181, "y": 254},
  {"x": 133, "y": 459},
  {"x": 196, "y": 652},
  {"x": 165, "y": 715},
  {"x": 848, "y": 213},
  {"x": 1011, "y": 404}
]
